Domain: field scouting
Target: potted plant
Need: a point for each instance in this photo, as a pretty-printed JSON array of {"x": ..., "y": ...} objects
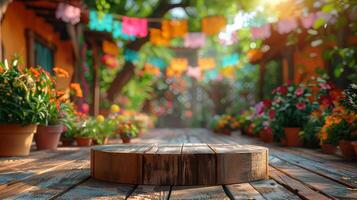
[
  {"x": 70, "y": 121},
  {"x": 329, "y": 136},
  {"x": 106, "y": 128},
  {"x": 292, "y": 109},
  {"x": 127, "y": 130},
  {"x": 350, "y": 103},
  {"x": 50, "y": 128},
  {"x": 21, "y": 108},
  {"x": 310, "y": 133},
  {"x": 87, "y": 131}
]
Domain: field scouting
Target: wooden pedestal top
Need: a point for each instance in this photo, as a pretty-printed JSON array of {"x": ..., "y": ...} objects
[{"x": 179, "y": 164}]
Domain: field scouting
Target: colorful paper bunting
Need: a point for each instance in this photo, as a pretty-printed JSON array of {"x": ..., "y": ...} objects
[
  {"x": 211, "y": 75},
  {"x": 158, "y": 62},
  {"x": 68, "y": 13},
  {"x": 131, "y": 55},
  {"x": 135, "y": 26},
  {"x": 118, "y": 32},
  {"x": 213, "y": 25},
  {"x": 194, "y": 72},
  {"x": 286, "y": 25},
  {"x": 262, "y": 32},
  {"x": 179, "y": 64},
  {"x": 195, "y": 40},
  {"x": 206, "y": 63},
  {"x": 157, "y": 38},
  {"x": 102, "y": 23},
  {"x": 230, "y": 60},
  {"x": 308, "y": 20},
  {"x": 228, "y": 72},
  {"x": 174, "y": 28}
]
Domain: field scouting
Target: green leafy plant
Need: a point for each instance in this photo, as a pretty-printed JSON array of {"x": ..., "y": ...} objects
[
  {"x": 350, "y": 98},
  {"x": 87, "y": 128},
  {"x": 106, "y": 127},
  {"x": 311, "y": 131},
  {"x": 69, "y": 119},
  {"x": 22, "y": 99}
]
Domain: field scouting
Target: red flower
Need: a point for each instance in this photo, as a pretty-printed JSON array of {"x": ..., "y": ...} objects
[
  {"x": 281, "y": 89},
  {"x": 326, "y": 100},
  {"x": 300, "y": 105},
  {"x": 272, "y": 114},
  {"x": 267, "y": 103},
  {"x": 299, "y": 92}
]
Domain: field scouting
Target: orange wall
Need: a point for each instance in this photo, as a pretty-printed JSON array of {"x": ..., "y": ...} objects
[
  {"x": 17, "y": 20},
  {"x": 306, "y": 62}
]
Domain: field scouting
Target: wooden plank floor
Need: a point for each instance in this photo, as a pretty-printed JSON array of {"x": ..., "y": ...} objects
[{"x": 295, "y": 173}]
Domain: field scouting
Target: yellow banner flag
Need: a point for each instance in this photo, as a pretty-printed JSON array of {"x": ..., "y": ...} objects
[
  {"x": 206, "y": 63},
  {"x": 213, "y": 25},
  {"x": 174, "y": 28},
  {"x": 157, "y": 38}
]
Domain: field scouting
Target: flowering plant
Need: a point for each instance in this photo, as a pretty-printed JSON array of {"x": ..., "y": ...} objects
[
  {"x": 226, "y": 122},
  {"x": 23, "y": 98},
  {"x": 338, "y": 126},
  {"x": 127, "y": 129},
  {"x": 260, "y": 118},
  {"x": 291, "y": 106}
]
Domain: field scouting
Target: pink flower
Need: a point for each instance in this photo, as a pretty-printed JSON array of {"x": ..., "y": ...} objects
[
  {"x": 325, "y": 86},
  {"x": 272, "y": 114},
  {"x": 300, "y": 105},
  {"x": 299, "y": 92}
]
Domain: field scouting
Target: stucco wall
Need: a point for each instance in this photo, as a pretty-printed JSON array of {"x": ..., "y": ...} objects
[{"x": 17, "y": 20}]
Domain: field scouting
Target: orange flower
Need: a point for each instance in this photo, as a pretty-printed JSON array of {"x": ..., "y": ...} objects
[
  {"x": 35, "y": 72},
  {"x": 61, "y": 72},
  {"x": 77, "y": 89}
]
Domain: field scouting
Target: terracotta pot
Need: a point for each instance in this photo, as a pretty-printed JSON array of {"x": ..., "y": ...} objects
[
  {"x": 283, "y": 142},
  {"x": 126, "y": 139},
  {"x": 83, "y": 141},
  {"x": 347, "y": 150},
  {"x": 47, "y": 137},
  {"x": 262, "y": 135},
  {"x": 354, "y": 144},
  {"x": 16, "y": 140},
  {"x": 266, "y": 136},
  {"x": 292, "y": 136},
  {"x": 67, "y": 142},
  {"x": 328, "y": 148},
  {"x": 226, "y": 132},
  {"x": 105, "y": 141}
]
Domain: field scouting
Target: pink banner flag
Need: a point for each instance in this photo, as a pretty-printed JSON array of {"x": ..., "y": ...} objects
[
  {"x": 194, "y": 72},
  {"x": 308, "y": 20},
  {"x": 135, "y": 26},
  {"x": 262, "y": 32},
  {"x": 195, "y": 40},
  {"x": 286, "y": 25}
]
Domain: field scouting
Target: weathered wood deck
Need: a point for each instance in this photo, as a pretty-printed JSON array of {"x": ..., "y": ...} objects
[{"x": 295, "y": 173}]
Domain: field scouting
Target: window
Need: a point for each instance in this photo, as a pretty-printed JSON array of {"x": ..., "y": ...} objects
[
  {"x": 39, "y": 51},
  {"x": 44, "y": 56}
]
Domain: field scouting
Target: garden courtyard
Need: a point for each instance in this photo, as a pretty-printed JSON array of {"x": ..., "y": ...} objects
[{"x": 178, "y": 99}]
